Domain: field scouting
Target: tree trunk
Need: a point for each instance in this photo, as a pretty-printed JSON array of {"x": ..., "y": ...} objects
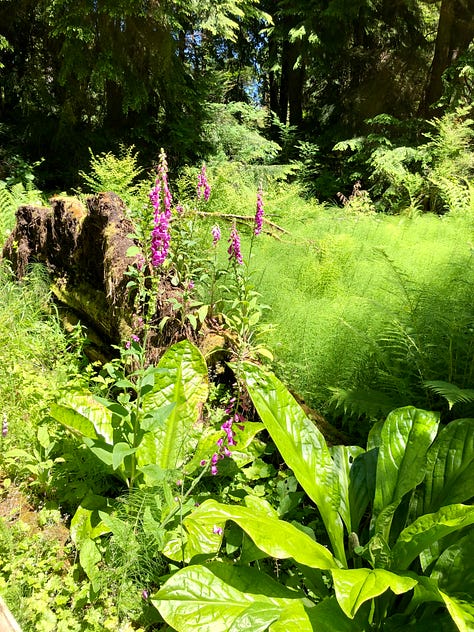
[
  {"x": 291, "y": 85},
  {"x": 455, "y": 33}
]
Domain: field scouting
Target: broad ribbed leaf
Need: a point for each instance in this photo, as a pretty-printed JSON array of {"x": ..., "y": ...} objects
[
  {"x": 424, "y": 531},
  {"x": 274, "y": 537},
  {"x": 327, "y": 616},
  {"x": 182, "y": 381},
  {"x": 220, "y": 597},
  {"x": 406, "y": 436},
  {"x": 86, "y": 523},
  {"x": 354, "y": 587},
  {"x": 454, "y": 569},
  {"x": 461, "y": 611},
  {"x": 362, "y": 485},
  {"x": 450, "y": 468},
  {"x": 302, "y": 446},
  {"x": 343, "y": 457},
  {"x": 82, "y": 414},
  {"x": 293, "y": 616}
]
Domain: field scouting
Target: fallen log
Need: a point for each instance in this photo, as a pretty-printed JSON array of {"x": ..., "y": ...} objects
[{"x": 84, "y": 249}]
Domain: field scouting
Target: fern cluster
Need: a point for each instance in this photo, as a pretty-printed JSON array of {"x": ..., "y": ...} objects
[
  {"x": 11, "y": 197},
  {"x": 413, "y": 170},
  {"x": 120, "y": 174}
]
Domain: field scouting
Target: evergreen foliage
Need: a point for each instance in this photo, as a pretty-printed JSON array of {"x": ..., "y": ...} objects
[
  {"x": 119, "y": 174},
  {"x": 86, "y": 75}
]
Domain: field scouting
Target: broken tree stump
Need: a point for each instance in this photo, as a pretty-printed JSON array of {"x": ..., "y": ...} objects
[{"x": 84, "y": 249}]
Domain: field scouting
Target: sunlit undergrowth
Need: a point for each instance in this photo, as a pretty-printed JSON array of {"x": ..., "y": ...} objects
[
  {"x": 371, "y": 306},
  {"x": 33, "y": 353},
  {"x": 37, "y": 360},
  {"x": 367, "y": 308}
]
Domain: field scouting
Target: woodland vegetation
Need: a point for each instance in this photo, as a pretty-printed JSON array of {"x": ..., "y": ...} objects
[{"x": 237, "y": 336}]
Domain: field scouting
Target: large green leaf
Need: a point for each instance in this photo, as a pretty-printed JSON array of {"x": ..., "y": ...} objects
[
  {"x": 362, "y": 485},
  {"x": 83, "y": 415},
  {"x": 405, "y": 438},
  {"x": 461, "y": 610},
  {"x": 182, "y": 381},
  {"x": 354, "y": 587},
  {"x": 343, "y": 457},
  {"x": 426, "y": 530},
  {"x": 86, "y": 523},
  {"x": 450, "y": 468},
  {"x": 222, "y": 598},
  {"x": 274, "y": 537},
  {"x": 327, "y": 616},
  {"x": 454, "y": 569},
  {"x": 302, "y": 446}
]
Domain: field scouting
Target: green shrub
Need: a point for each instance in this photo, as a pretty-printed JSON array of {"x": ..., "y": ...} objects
[
  {"x": 406, "y": 175},
  {"x": 119, "y": 174},
  {"x": 235, "y": 132}
]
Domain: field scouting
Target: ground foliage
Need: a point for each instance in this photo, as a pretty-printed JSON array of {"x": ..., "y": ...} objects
[{"x": 192, "y": 467}]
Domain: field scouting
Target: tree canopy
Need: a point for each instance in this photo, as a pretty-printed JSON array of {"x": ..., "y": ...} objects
[{"x": 95, "y": 73}]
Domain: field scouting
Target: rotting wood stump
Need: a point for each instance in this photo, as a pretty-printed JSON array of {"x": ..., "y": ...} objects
[{"x": 84, "y": 249}]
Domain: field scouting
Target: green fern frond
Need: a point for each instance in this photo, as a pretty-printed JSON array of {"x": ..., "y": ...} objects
[
  {"x": 454, "y": 193},
  {"x": 360, "y": 402},
  {"x": 10, "y": 199},
  {"x": 451, "y": 393},
  {"x": 353, "y": 144},
  {"x": 7, "y": 211},
  {"x": 114, "y": 173}
]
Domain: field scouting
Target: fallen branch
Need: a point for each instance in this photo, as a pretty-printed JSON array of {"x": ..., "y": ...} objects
[{"x": 242, "y": 218}]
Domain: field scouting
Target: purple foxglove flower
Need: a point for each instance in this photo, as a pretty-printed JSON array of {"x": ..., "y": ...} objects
[
  {"x": 259, "y": 213},
  {"x": 160, "y": 240},
  {"x": 234, "y": 246},
  {"x": 217, "y": 530},
  {"x": 203, "y": 186},
  {"x": 160, "y": 236},
  {"x": 216, "y": 234}
]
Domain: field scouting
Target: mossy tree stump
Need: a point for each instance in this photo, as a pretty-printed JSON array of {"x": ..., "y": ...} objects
[{"x": 84, "y": 249}]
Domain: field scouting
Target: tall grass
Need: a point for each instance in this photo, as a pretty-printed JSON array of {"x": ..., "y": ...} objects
[
  {"x": 33, "y": 353},
  {"x": 368, "y": 307}
]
